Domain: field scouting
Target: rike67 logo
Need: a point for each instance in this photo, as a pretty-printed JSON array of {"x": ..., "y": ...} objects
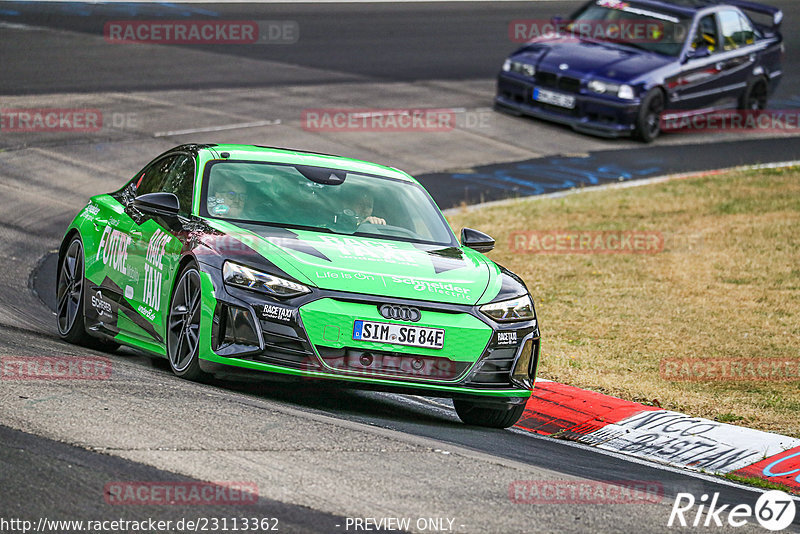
[{"x": 774, "y": 510}]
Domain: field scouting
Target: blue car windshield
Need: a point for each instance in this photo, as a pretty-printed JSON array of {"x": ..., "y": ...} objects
[
  {"x": 321, "y": 199},
  {"x": 629, "y": 24}
]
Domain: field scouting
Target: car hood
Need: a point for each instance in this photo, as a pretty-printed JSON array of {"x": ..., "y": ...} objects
[
  {"x": 371, "y": 266},
  {"x": 590, "y": 58}
]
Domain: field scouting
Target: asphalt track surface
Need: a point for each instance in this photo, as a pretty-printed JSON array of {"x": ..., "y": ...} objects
[{"x": 318, "y": 454}]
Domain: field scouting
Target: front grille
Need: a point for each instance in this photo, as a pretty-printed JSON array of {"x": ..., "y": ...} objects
[
  {"x": 554, "y": 81},
  {"x": 374, "y": 362},
  {"x": 495, "y": 368}
]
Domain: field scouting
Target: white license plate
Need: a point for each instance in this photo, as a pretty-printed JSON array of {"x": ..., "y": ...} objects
[
  {"x": 399, "y": 334},
  {"x": 553, "y": 98}
]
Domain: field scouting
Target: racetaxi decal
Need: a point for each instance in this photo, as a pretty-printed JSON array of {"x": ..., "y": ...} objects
[
  {"x": 272, "y": 312},
  {"x": 507, "y": 338},
  {"x": 113, "y": 249},
  {"x": 362, "y": 250},
  {"x": 153, "y": 269}
]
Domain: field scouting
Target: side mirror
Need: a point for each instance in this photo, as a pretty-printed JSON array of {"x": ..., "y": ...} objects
[
  {"x": 476, "y": 240},
  {"x": 697, "y": 53},
  {"x": 161, "y": 202}
]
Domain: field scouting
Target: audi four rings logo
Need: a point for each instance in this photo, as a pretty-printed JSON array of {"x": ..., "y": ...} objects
[{"x": 401, "y": 313}]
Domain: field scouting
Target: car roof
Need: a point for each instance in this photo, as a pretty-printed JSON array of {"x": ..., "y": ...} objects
[
  {"x": 293, "y": 156},
  {"x": 686, "y": 8}
]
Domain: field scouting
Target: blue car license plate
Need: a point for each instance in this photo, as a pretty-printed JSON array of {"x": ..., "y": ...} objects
[{"x": 554, "y": 99}]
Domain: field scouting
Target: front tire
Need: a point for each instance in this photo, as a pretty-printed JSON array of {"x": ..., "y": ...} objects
[
  {"x": 648, "y": 122},
  {"x": 481, "y": 415},
  {"x": 183, "y": 325}
]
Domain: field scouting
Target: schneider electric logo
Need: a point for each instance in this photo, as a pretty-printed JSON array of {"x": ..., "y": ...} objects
[{"x": 774, "y": 510}]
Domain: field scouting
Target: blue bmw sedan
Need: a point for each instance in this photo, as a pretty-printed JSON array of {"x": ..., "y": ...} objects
[{"x": 618, "y": 68}]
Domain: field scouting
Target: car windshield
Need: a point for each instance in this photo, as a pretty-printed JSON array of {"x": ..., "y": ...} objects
[
  {"x": 317, "y": 198},
  {"x": 629, "y": 24}
]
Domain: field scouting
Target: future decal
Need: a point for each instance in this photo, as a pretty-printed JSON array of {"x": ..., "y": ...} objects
[{"x": 113, "y": 249}]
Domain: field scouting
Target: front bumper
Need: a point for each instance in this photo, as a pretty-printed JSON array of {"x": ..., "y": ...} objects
[
  {"x": 311, "y": 338},
  {"x": 593, "y": 115}
]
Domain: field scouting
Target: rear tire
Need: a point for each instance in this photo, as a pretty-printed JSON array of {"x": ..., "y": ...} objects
[
  {"x": 648, "y": 122},
  {"x": 70, "y": 320},
  {"x": 69, "y": 295},
  {"x": 183, "y": 325},
  {"x": 481, "y": 415},
  {"x": 755, "y": 96}
]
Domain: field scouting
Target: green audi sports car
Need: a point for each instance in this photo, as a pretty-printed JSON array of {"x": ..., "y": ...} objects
[{"x": 226, "y": 258}]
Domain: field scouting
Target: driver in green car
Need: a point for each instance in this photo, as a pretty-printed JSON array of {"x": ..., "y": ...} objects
[
  {"x": 227, "y": 197},
  {"x": 361, "y": 202}
]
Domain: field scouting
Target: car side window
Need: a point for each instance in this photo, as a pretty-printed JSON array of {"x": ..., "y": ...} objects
[
  {"x": 707, "y": 35},
  {"x": 734, "y": 33},
  {"x": 153, "y": 178},
  {"x": 180, "y": 181},
  {"x": 748, "y": 32}
]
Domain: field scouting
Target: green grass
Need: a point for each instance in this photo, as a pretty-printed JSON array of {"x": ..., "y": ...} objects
[{"x": 726, "y": 285}]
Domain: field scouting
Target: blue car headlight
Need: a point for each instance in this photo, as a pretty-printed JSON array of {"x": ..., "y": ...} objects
[
  {"x": 519, "y": 67},
  {"x": 626, "y": 92},
  {"x": 243, "y": 277},
  {"x": 512, "y": 310}
]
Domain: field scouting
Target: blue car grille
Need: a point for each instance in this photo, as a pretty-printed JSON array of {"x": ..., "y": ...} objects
[{"x": 564, "y": 83}]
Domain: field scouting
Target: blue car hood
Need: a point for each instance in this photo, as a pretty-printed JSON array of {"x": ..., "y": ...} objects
[{"x": 589, "y": 58}]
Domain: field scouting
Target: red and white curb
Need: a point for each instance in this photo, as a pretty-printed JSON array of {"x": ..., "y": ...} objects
[{"x": 660, "y": 435}]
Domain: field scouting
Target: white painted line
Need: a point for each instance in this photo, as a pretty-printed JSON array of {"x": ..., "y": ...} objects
[
  {"x": 218, "y": 128},
  {"x": 623, "y": 185}
]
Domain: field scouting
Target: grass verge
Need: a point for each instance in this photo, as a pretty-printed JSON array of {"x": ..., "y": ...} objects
[{"x": 725, "y": 287}]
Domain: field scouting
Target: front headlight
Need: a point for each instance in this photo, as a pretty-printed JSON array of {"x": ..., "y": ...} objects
[
  {"x": 506, "y": 311},
  {"x": 626, "y": 92},
  {"x": 519, "y": 67},
  {"x": 247, "y": 278}
]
